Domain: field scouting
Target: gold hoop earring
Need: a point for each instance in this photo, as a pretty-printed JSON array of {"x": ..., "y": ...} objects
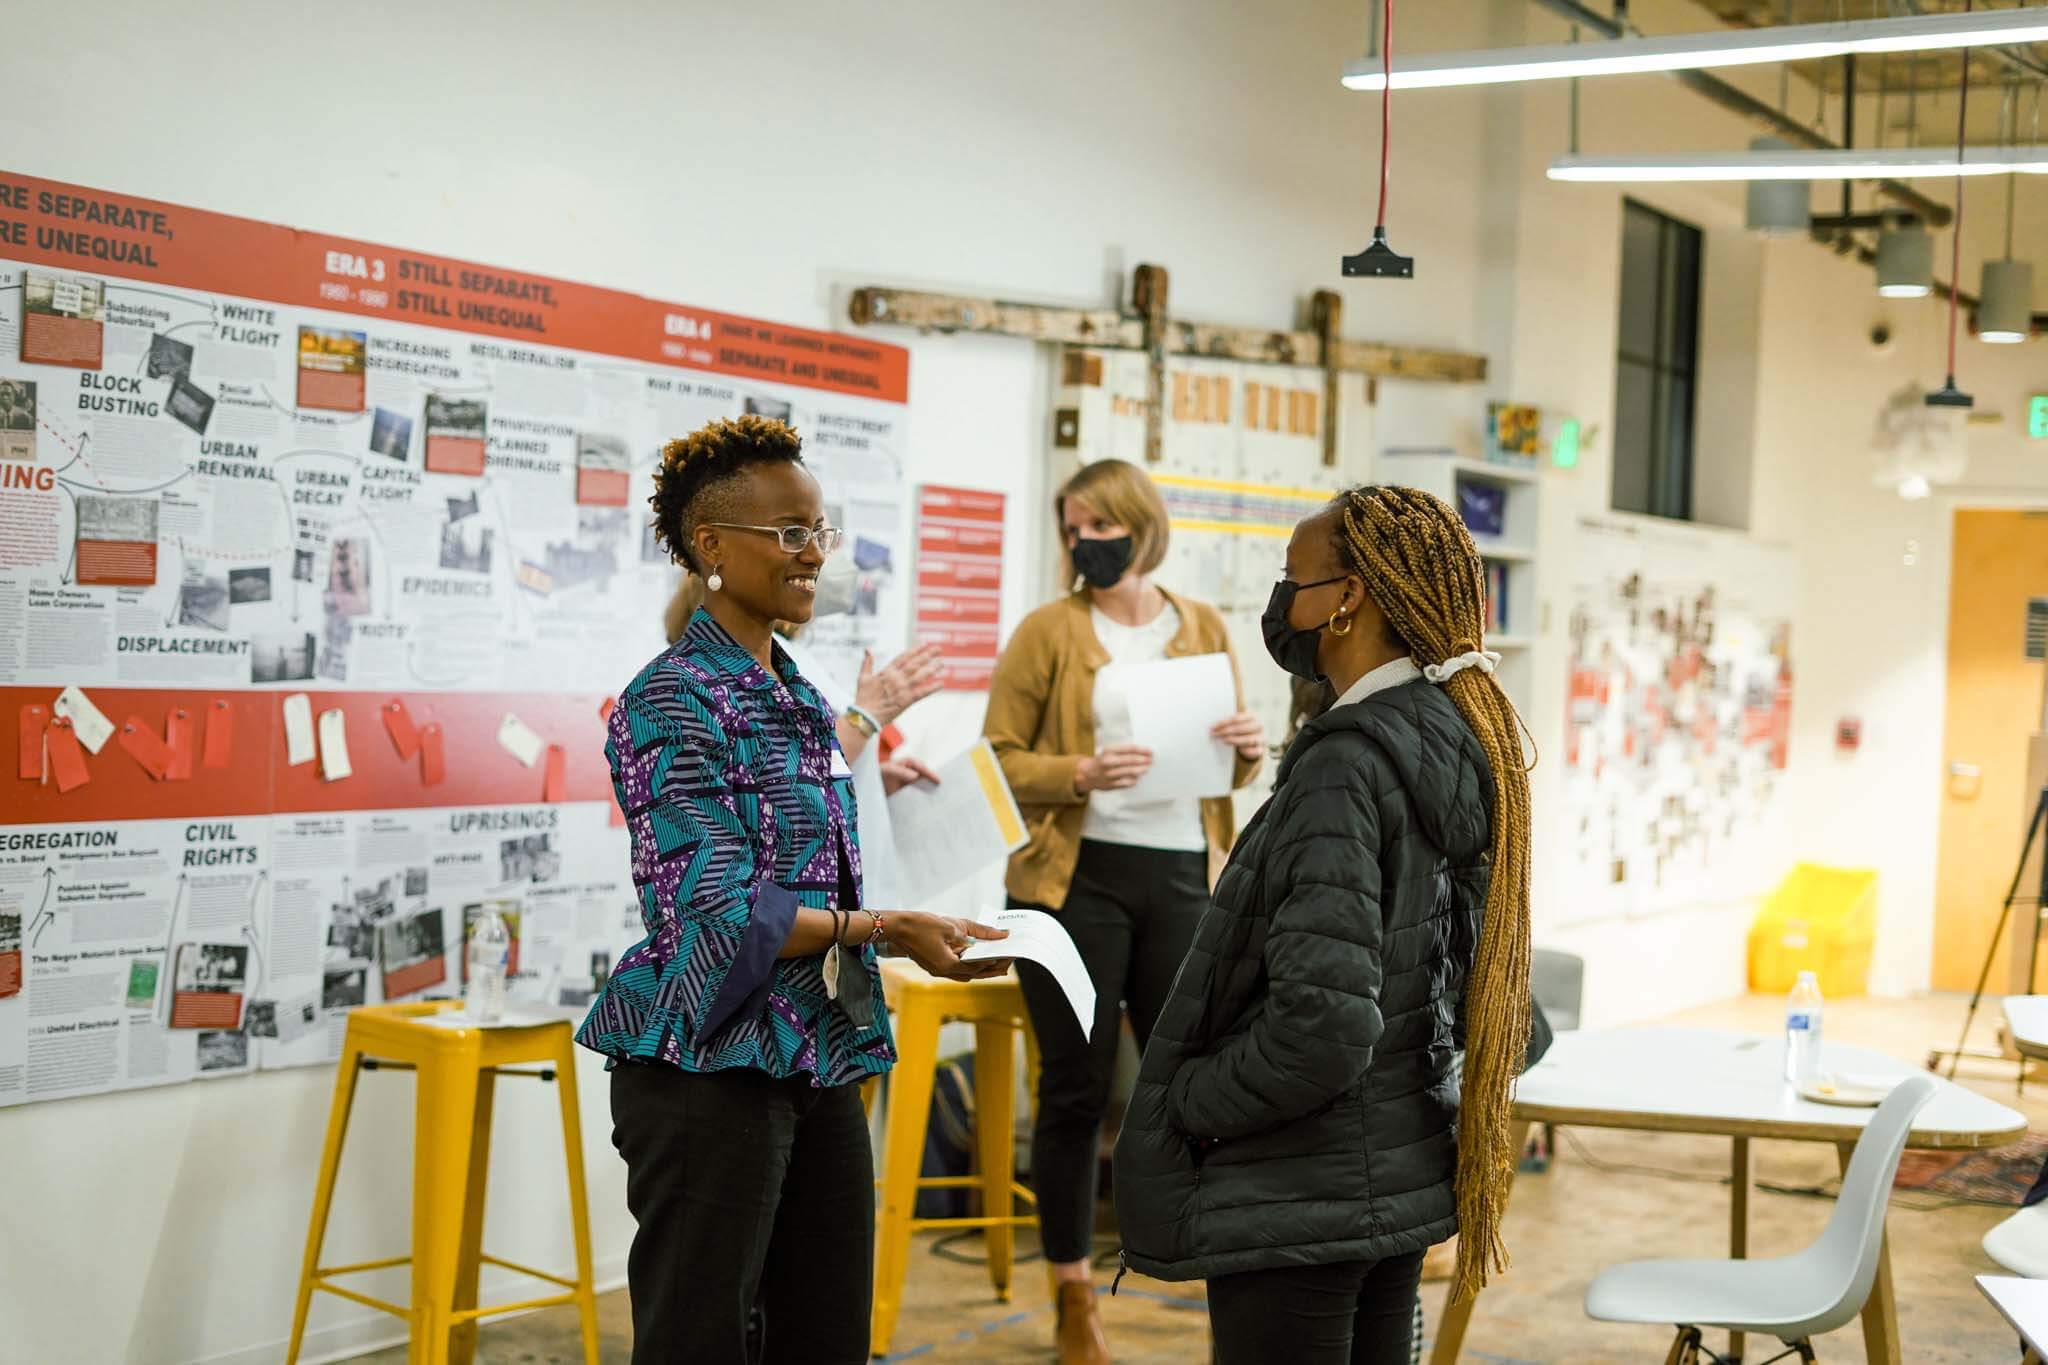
[{"x": 1347, "y": 623}]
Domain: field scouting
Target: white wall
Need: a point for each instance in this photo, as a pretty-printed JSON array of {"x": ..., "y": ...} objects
[{"x": 761, "y": 159}]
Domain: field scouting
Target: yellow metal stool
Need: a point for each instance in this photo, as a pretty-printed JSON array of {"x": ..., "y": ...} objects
[
  {"x": 456, "y": 1071},
  {"x": 920, "y": 1003}
]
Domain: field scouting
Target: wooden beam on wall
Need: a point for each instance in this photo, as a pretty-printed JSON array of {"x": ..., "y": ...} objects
[
  {"x": 1116, "y": 329},
  {"x": 1326, "y": 312}
]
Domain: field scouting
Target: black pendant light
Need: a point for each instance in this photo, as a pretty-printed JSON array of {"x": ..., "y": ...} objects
[
  {"x": 1379, "y": 260},
  {"x": 1948, "y": 395}
]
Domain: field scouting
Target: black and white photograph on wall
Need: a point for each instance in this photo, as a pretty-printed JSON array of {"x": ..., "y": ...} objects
[
  {"x": 379, "y": 899},
  {"x": 344, "y": 988},
  {"x": 260, "y": 1019},
  {"x": 338, "y": 632},
  {"x": 464, "y": 506},
  {"x": 169, "y": 358},
  {"x": 285, "y": 1020},
  {"x": 600, "y": 968},
  {"x": 391, "y": 435},
  {"x": 203, "y": 596},
  {"x": 17, "y": 419},
  {"x": 248, "y": 585},
  {"x": 415, "y": 881},
  {"x": 531, "y": 857},
  {"x": 281, "y": 656},
  {"x": 413, "y": 951},
  {"x": 466, "y": 546},
  {"x": 351, "y": 932},
  {"x": 348, "y": 577},
  {"x": 302, "y": 564},
  {"x": 223, "y": 1049},
  {"x": 777, "y": 408},
  {"x": 190, "y": 404}
]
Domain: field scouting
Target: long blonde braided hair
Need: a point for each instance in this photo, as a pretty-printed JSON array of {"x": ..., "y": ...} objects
[{"x": 1424, "y": 573}]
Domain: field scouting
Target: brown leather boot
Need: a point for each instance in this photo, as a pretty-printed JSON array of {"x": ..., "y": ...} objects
[{"x": 1079, "y": 1337}]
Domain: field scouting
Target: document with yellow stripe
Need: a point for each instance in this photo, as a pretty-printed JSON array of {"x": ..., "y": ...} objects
[{"x": 966, "y": 823}]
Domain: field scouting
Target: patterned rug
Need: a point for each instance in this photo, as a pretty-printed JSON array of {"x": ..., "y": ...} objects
[{"x": 2001, "y": 1176}]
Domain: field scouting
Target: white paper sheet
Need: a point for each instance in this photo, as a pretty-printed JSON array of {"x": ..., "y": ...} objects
[
  {"x": 519, "y": 740},
  {"x": 945, "y": 834},
  {"x": 1173, "y": 704},
  {"x": 298, "y": 729},
  {"x": 334, "y": 763},
  {"x": 88, "y": 722},
  {"x": 1037, "y": 937}
]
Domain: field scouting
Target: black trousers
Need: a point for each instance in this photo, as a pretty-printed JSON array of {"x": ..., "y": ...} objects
[
  {"x": 749, "y": 1192},
  {"x": 1132, "y": 914},
  {"x": 1350, "y": 1313}
]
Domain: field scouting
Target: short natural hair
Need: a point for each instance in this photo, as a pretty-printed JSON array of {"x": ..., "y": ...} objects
[
  {"x": 697, "y": 469},
  {"x": 1125, "y": 495}
]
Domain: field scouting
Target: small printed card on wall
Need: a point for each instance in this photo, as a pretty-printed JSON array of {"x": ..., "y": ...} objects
[
  {"x": 331, "y": 368},
  {"x": 518, "y": 739},
  {"x": 604, "y": 470},
  {"x": 433, "y": 766},
  {"x": 334, "y": 746},
  {"x": 298, "y": 729},
  {"x": 220, "y": 733},
  {"x": 398, "y": 724},
  {"x": 88, "y": 722},
  {"x": 35, "y": 725},
  {"x": 181, "y": 732},
  {"x": 414, "y": 953},
  {"x": 62, "y": 320},
  {"x": 67, "y": 758},
  {"x": 208, "y": 985},
  {"x": 455, "y": 429},
  {"x": 146, "y": 747}
]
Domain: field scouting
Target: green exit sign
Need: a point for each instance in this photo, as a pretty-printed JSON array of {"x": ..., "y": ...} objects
[
  {"x": 2037, "y": 417},
  {"x": 1564, "y": 447}
]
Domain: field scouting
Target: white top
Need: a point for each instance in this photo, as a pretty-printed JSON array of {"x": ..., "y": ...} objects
[
  {"x": 1705, "y": 1081},
  {"x": 879, "y": 887},
  {"x": 1115, "y": 817},
  {"x": 2023, "y": 1303},
  {"x": 1393, "y": 673},
  {"x": 2026, "y": 1019}
]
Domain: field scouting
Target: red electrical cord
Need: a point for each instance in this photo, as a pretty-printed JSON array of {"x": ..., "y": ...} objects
[
  {"x": 1955, "y": 258},
  {"x": 1386, "y": 103}
]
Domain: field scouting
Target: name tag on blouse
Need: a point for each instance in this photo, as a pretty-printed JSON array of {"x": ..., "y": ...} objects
[{"x": 839, "y": 768}]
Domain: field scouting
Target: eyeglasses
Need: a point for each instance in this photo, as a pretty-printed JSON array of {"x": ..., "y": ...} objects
[{"x": 794, "y": 539}]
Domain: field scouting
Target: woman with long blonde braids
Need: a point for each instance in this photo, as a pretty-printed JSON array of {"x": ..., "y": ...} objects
[{"x": 1296, "y": 1134}]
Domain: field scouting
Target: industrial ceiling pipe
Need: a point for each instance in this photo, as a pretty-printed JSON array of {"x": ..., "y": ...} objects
[{"x": 1741, "y": 102}]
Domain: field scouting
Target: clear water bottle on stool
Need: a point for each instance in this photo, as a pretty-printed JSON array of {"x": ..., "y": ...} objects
[
  {"x": 490, "y": 952},
  {"x": 1802, "y": 1031}
]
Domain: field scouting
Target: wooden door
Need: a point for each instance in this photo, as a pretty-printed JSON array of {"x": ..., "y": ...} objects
[{"x": 1994, "y": 712}]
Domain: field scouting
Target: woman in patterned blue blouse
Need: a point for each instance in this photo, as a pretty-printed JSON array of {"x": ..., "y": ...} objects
[{"x": 740, "y": 1028}]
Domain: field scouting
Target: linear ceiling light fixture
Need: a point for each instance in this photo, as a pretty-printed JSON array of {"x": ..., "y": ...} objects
[
  {"x": 1872, "y": 163},
  {"x": 1694, "y": 51}
]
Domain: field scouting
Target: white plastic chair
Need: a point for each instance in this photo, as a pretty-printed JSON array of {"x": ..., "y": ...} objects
[{"x": 1793, "y": 1298}]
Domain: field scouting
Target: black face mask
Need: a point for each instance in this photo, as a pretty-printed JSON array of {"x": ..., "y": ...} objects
[
  {"x": 1101, "y": 562},
  {"x": 1293, "y": 648}
]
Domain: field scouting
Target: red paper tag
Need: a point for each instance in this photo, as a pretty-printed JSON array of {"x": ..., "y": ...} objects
[
  {"x": 181, "y": 732},
  {"x": 604, "y": 712},
  {"x": 35, "y": 723},
  {"x": 432, "y": 770},
  {"x": 398, "y": 724},
  {"x": 150, "y": 751},
  {"x": 555, "y": 786},
  {"x": 67, "y": 759},
  {"x": 220, "y": 733}
]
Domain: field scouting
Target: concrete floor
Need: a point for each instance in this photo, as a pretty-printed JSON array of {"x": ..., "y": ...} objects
[{"x": 1648, "y": 1195}]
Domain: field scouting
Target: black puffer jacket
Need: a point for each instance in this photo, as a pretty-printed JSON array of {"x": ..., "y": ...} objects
[{"x": 1294, "y": 1107}]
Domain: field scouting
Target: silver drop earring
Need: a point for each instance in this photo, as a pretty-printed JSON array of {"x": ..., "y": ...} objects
[{"x": 715, "y": 582}]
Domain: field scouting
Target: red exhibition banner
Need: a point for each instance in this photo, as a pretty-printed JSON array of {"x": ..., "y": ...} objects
[
  {"x": 960, "y": 580},
  {"x": 71, "y": 227}
]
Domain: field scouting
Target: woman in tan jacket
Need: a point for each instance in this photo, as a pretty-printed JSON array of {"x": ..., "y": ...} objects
[{"x": 1128, "y": 874}]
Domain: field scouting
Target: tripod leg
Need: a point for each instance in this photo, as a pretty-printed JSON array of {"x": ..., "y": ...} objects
[{"x": 2004, "y": 915}]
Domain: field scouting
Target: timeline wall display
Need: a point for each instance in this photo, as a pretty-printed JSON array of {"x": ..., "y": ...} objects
[{"x": 319, "y": 560}]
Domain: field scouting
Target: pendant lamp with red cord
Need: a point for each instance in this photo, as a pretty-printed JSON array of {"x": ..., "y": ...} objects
[
  {"x": 1380, "y": 261},
  {"x": 1948, "y": 395}
]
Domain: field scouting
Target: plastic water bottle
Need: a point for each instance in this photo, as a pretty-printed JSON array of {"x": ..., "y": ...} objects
[
  {"x": 1802, "y": 1030},
  {"x": 490, "y": 951}
]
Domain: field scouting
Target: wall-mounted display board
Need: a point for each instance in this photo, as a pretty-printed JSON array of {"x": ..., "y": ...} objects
[
  {"x": 318, "y": 561},
  {"x": 1679, "y": 716}
]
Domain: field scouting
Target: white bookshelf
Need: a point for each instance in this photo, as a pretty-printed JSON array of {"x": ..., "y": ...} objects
[{"x": 1514, "y": 548}]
